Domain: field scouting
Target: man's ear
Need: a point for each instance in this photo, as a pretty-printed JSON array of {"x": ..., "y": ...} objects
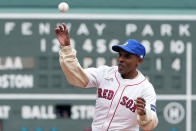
[{"x": 140, "y": 60}]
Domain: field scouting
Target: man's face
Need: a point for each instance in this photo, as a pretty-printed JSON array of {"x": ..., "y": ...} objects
[{"x": 127, "y": 63}]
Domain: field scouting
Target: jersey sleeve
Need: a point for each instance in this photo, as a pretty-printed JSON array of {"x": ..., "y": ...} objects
[
  {"x": 150, "y": 96},
  {"x": 73, "y": 72},
  {"x": 95, "y": 75},
  {"x": 150, "y": 120}
]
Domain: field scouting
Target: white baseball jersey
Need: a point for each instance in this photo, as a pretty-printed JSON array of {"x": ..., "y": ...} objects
[{"x": 115, "y": 104}]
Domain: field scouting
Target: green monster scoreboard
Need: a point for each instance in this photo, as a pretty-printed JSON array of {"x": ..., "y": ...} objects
[{"x": 35, "y": 96}]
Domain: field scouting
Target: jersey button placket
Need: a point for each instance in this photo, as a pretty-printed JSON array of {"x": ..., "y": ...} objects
[{"x": 115, "y": 104}]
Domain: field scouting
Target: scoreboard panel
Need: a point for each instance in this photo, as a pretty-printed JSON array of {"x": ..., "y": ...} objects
[{"x": 35, "y": 93}]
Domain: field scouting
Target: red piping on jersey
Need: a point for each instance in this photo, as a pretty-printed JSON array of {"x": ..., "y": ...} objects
[
  {"x": 121, "y": 97},
  {"x": 114, "y": 94}
]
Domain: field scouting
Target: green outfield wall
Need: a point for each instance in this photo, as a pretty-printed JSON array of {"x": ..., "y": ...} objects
[
  {"x": 35, "y": 96},
  {"x": 157, "y": 4}
]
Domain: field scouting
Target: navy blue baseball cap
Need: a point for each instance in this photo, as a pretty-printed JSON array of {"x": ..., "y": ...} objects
[{"x": 131, "y": 46}]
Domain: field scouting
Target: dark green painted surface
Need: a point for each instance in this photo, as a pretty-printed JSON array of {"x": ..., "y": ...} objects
[
  {"x": 101, "y": 3},
  {"x": 165, "y": 64}
]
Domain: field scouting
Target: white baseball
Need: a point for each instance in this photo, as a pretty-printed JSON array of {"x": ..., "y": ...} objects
[{"x": 63, "y": 7}]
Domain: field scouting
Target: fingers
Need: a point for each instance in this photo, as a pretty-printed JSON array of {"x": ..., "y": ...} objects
[
  {"x": 61, "y": 28},
  {"x": 65, "y": 29},
  {"x": 140, "y": 105},
  {"x": 64, "y": 26},
  {"x": 62, "y": 35},
  {"x": 57, "y": 30},
  {"x": 141, "y": 99},
  {"x": 141, "y": 111},
  {"x": 140, "y": 108}
]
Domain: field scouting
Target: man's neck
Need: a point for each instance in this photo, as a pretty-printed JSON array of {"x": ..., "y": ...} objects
[{"x": 130, "y": 75}]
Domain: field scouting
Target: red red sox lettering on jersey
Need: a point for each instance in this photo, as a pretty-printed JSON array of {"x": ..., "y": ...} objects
[
  {"x": 107, "y": 94},
  {"x": 115, "y": 105},
  {"x": 125, "y": 101}
]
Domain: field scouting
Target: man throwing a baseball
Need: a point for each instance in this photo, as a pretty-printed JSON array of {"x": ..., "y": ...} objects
[{"x": 126, "y": 100}]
